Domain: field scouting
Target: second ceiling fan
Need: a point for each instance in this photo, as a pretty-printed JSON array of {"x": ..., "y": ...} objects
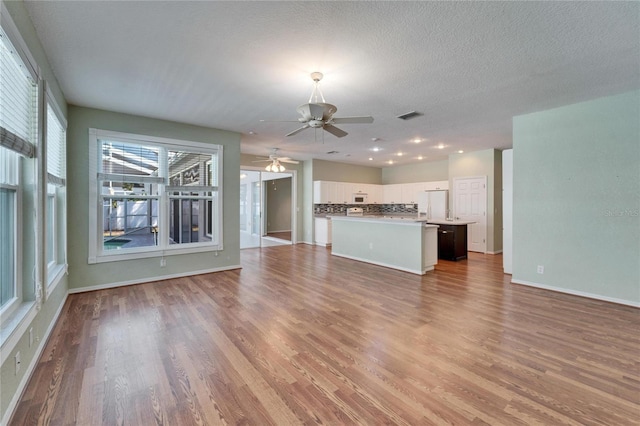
[{"x": 317, "y": 114}]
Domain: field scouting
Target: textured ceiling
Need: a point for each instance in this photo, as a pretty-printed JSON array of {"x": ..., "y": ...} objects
[{"x": 467, "y": 67}]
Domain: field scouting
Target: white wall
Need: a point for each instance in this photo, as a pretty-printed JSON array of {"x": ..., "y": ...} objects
[{"x": 576, "y": 198}]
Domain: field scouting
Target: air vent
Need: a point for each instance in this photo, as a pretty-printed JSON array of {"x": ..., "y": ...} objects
[
  {"x": 409, "y": 115},
  {"x": 332, "y": 152}
]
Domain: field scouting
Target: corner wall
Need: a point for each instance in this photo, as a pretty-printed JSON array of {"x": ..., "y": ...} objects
[
  {"x": 576, "y": 200},
  {"x": 40, "y": 321},
  {"x": 484, "y": 163}
]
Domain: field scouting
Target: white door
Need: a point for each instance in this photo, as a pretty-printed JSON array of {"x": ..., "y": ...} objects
[{"x": 470, "y": 204}]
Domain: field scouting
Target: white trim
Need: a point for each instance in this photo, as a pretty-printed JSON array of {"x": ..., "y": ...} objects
[
  {"x": 168, "y": 143},
  {"x": 494, "y": 252},
  {"x": 386, "y": 265},
  {"x": 57, "y": 273},
  {"x": 10, "y": 28},
  {"x": 96, "y": 254},
  {"x": 577, "y": 293},
  {"x": 15, "y": 327},
  {"x": 32, "y": 365},
  {"x": 152, "y": 279}
]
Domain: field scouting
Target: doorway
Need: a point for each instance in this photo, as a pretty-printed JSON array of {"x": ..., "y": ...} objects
[
  {"x": 267, "y": 215},
  {"x": 470, "y": 204}
]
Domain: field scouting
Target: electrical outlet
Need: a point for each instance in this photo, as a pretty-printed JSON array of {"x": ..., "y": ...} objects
[
  {"x": 540, "y": 269},
  {"x": 17, "y": 357},
  {"x": 30, "y": 336},
  {"x": 370, "y": 246},
  {"x": 163, "y": 262}
]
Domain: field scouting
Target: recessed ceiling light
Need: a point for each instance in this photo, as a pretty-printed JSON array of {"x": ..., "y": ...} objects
[
  {"x": 375, "y": 149},
  {"x": 420, "y": 157},
  {"x": 417, "y": 140},
  {"x": 461, "y": 152},
  {"x": 440, "y": 146},
  {"x": 390, "y": 161},
  {"x": 400, "y": 154}
]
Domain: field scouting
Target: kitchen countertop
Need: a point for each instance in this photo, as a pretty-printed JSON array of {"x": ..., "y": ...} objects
[
  {"x": 381, "y": 218},
  {"x": 449, "y": 222}
]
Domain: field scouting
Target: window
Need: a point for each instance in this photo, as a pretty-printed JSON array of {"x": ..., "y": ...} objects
[
  {"x": 18, "y": 137},
  {"x": 155, "y": 196},
  {"x": 55, "y": 205}
]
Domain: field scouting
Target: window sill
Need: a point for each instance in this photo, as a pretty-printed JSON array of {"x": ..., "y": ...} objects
[
  {"x": 15, "y": 327},
  {"x": 154, "y": 253},
  {"x": 55, "y": 274}
]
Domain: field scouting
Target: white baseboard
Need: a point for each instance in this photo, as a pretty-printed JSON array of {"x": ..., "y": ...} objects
[
  {"x": 13, "y": 404},
  {"x": 152, "y": 279},
  {"x": 495, "y": 252},
  {"x": 578, "y": 293},
  {"x": 386, "y": 265}
]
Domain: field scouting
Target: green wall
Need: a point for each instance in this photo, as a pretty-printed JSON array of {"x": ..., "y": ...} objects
[
  {"x": 86, "y": 276},
  {"x": 576, "y": 200},
  {"x": 40, "y": 321},
  {"x": 484, "y": 163},
  {"x": 419, "y": 172},
  {"x": 278, "y": 200},
  {"x": 340, "y": 172}
]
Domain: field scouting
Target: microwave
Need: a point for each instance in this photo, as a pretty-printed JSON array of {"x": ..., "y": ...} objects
[{"x": 359, "y": 198}]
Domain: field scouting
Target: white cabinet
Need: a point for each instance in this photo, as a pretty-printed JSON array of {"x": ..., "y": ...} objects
[
  {"x": 392, "y": 194},
  {"x": 343, "y": 192},
  {"x": 322, "y": 231},
  {"x": 375, "y": 194},
  {"x": 410, "y": 192},
  {"x": 325, "y": 192},
  {"x": 436, "y": 185}
]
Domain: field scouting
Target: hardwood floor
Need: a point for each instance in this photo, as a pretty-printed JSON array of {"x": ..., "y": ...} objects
[
  {"x": 300, "y": 337},
  {"x": 283, "y": 235}
]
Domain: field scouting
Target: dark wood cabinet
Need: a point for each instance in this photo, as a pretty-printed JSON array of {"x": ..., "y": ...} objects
[{"x": 452, "y": 242}]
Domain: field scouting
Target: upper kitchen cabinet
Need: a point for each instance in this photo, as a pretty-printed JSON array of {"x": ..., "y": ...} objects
[
  {"x": 325, "y": 192},
  {"x": 392, "y": 194},
  {"x": 436, "y": 185}
]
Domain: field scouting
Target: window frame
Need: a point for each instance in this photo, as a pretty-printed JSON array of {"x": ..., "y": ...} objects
[
  {"x": 16, "y": 310},
  {"x": 11, "y": 306},
  {"x": 57, "y": 268},
  {"x": 163, "y": 248}
]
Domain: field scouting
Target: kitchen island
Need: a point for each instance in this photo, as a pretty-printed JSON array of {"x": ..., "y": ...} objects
[
  {"x": 452, "y": 239},
  {"x": 404, "y": 243}
]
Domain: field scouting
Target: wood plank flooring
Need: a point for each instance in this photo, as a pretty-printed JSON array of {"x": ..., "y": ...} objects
[{"x": 300, "y": 337}]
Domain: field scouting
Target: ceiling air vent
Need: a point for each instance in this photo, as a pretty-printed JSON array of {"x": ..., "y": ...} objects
[
  {"x": 409, "y": 115},
  {"x": 332, "y": 152}
]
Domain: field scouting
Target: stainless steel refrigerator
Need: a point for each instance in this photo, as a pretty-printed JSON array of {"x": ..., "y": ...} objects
[{"x": 434, "y": 204}]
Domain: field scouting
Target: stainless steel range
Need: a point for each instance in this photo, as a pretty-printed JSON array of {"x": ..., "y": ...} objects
[{"x": 355, "y": 211}]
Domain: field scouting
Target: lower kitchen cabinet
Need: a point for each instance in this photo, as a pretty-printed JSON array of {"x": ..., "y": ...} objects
[
  {"x": 452, "y": 242},
  {"x": 322, "y": 231}
]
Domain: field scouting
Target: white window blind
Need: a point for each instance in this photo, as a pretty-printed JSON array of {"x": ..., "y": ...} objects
[
  {"x": 56, "y": 163},
  {"x": 18, "y": 101}
]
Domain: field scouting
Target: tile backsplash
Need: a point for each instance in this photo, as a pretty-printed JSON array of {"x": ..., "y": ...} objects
[{"x": 368, "y": 208}]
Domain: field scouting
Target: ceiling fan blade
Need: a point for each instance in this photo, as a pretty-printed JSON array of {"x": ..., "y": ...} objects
[
  {"x": 354, "y": 120},
  {"x": 335, "y": 131},
  {"x": 287, "y": 160},
  {"x": 260, "y": 161},
  {"x": 295, "y": 132}
]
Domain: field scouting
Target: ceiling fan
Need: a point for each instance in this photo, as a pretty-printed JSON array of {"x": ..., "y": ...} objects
[
  {"x": 274, "y": 161},
  {"x": 318, "y": 114}
]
